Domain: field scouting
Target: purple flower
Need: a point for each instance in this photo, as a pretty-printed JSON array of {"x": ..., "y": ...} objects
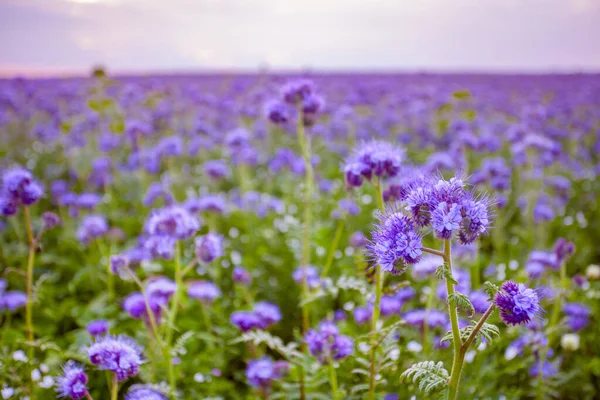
[
  {"x": 374, "y": 158},
  {"x": 92, "y": 227},
  {"x": 204, "y": 291},
  {"x": 118, "y": 264},
  {"x": 312, "y": 276},
  {"x": 12, "y": 300},
  {"x": 425, "y": 267},
  {"x": 120, "y": 355},
  {"x": 548, "y": 370},
  {"x": 390, "y": 305},
  {"x": 563, "y": 249},
  {"x": 135, "y": 305},
  {"x": 518, "y": 304},
  {"x": 174, "y": 222},
  {"x": 475, "y": 219},
  {"x": 445, "y": 220},
  {"x": 73, "y": 382},
  {"x": 267, "y": 313},
  {"x": 395, "y": 242},
  {"x": 577, "y": 315},
  {"x": 363, "y": 315},
  {"x": 354, "y": 172},
  {"x": 294, "y": 92},
  {"x": 97, "y": 327},
  {"x": 145, "y": 392},
  {"x": 242, "y": 276},
  {"x": 245, "y": 320},
  {"x": 276, "y": 112},
  {"x": 358, "y": 240},
  {"x": 262, "y": 372},
  {"x": 159, "y": 246},
  {"x": 209, "y": 247},
  {"x": 216, "y": 169},
  {"x": 156, "y": 190},
  {"x": 19, "y": 186},
  {"x": 160, "y": 290},
  {"x": 327, "y": 344},
  {"x": 50, "y": 220}
]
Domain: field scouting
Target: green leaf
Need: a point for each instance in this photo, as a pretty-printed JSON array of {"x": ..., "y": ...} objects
[
  {"x": 488, "y": 331},
  {"x": 428, "y": 375},
  {"x": 462, "y": 301}
]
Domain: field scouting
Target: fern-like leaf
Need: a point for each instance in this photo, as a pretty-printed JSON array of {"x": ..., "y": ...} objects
[
  {"x": 487, "y": 331},
  {"x": 491, "y": 290},
  {"x": 429, "y": 376},
  {"x": 462, "y": 301},
  {"x": 443, "y": 272}
]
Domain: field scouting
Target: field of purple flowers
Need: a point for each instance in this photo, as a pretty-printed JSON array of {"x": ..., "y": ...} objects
[{"x": 330, "y": 237}]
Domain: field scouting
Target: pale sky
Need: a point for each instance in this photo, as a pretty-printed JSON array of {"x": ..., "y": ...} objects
[{"x": 51, "y": 36}]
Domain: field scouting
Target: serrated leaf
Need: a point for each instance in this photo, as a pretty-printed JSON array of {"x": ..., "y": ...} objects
[
  {"x": 487, "y": 331},
  {"x": 443, "y": 272},
  {"x": 491, "y": 290}
]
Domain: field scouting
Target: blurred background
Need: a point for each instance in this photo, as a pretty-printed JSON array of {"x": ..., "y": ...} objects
[{"x": 67, "y": 37}]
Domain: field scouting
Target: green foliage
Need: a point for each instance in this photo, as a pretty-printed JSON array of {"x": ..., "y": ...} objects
[
  {"x": 487, "y": 331},
  {"x": 443, "y": 272}
]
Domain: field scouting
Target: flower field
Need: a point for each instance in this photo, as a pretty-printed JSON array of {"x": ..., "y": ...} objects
[{"x": 331, "y": 236}]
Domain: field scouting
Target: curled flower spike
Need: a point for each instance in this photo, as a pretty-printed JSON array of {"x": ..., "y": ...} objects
[
  {"x": 73, "y": 382},
  {"x": 395, "y": 242},
  {"x": 518, "y": 304}
]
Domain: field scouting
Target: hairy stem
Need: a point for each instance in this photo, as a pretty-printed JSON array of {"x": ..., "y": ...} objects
[
  {"x": 304, "y": 143},
  {"x": 29, "y": 284},
  {"x": 376, "y": 308},
  {"x": 428, "y": 306},
  {"x": 114, "y": 388},
  {"x": 458, "y": 355},
  {"x": 477, "y": 328}
]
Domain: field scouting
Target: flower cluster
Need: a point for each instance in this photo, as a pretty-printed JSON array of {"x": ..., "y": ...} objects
[
  {"x": 296, "y": 96},
  {"x": 374, "y": 158},
  {"x": 73, "y": 382},
  {"x": 517, "y": 303},
  {"x": 19, "y": 187},
  {"x": 262, "y": 316},
  {"x": 119, "y": 354},
  {"x": 262, "y": 372},
  {"x": 327, "y": 344}
]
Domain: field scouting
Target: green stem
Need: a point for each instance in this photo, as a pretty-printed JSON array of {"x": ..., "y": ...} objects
[
  {"x": 334, "y": 246},
  {"x": 29, "y": 284},
  {"x": 88, "y": 397},
  {"x": 206, "y": 318},
  {"x": 304, "y": 143},
  {"x": 172, "y": 315},
  {"x": 114, "y": 389},
  {"x": 477, "y": 328},
  {"x": 458, "y": 355},
  {"x": 376, "y": 307},
  {"x": 333, "y": 378}
]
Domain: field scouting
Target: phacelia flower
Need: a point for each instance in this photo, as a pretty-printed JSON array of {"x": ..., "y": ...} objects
[
  {"x": 160, "y": 290},
  {"x": 174, "y": 222},
  {"x": 73, "y": 383},
  {"x": 267, "y": 313},
  {"x": 420, "y": 317},
  {"x": 445, "y": 220},
  {"x": 245, "y": 321},
  {"x": 577, "y": 316},
  {"x": 209, "y": 247},
  {"x": 145, "y": 392},
  {"x": 12, "y": 300},
  {"x": 276, "y": 112},
  {"x": 262, "y": 372},
  {"x": 20, "y": 187},
  {"x": 92, "y": 227},
  {"x": 395, "y": 242},
  {"x": 518, "y": 304},
  {"x": 294, "y": 92},
  {"x": 98, "y": 327},
  {"x": 135, "y": 305},
  {"x": 327, "y": 344},
  {"x": 120, "y": 355},
  {"x": 204, "y": 291},
  {"x": 373, "y": 158},
  {"x": 50, "y": 220},
  {"x": 242, "y": 276}
]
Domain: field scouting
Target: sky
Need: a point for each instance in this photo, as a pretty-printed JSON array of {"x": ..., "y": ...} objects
[{"x": 69, "y": 36}]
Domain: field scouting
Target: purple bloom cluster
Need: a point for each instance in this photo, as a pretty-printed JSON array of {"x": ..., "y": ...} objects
[
  {"x": 395, "y": 242},
  {"x": 374, "y": 158},
  {"x": 204, "y": 291},
  {"x": 145, "y": 392},
  {"x": 209, "y": 247},
  {"x": 262, "y": 372},
  {"x": 19, "y": 187},
  {"x": 295, "y": 96},
  {"x": 73, "y": 382},
  {"x": 92, "y": 227},
  {"x": 327, "y": 344},
  {"x": 578, "y": 315},
  {"x": 263, "y": 315},
  {"x": 518, "y": 304},
  {"x": 11, "y": 300},
  {"x": 97, "y": 327},
  {"x": 120, "y": 355},
  {"x": 313, "y": 279}
]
